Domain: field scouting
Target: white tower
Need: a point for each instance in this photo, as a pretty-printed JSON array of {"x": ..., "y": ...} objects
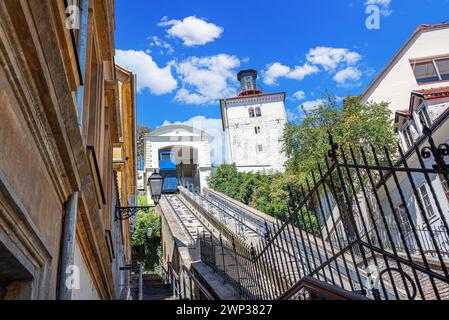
[{"x": 254, "y": 124}]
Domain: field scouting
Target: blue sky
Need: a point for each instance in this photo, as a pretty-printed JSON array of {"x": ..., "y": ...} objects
[{"x": 186, "y": 53}]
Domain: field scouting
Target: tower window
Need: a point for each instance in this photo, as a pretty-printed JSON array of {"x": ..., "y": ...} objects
[
  {"x": 257, "y": 130},
  {"x": 258, "y": 112},
  {"x": 251, "y": 112},
  {"x": 259, "y": 148}
]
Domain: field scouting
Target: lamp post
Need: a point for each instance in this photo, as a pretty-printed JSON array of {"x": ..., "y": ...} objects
[{"x": 156, "y": 182}]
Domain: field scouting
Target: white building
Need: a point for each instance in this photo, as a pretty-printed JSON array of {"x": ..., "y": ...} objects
[
  {"x": 193, "y": 161},
  {"x": 416, "y": 84},
  {"x": 253, "y": 124},
  {"x": 421, "y": 63}
]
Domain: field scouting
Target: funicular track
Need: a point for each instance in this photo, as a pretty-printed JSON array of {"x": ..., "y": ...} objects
[{"x": 282, "y": 270}]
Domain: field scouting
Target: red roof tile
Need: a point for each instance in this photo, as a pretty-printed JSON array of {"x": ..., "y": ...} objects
[
  {"x": 434, "y": 93},
  {"x": 431, "y": 26},
  {"x": 404, "y": 112}
]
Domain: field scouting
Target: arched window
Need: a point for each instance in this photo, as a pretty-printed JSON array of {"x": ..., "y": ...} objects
[
  {"x": 251, "y": 113},
  {"x": 258, "y": 112}
]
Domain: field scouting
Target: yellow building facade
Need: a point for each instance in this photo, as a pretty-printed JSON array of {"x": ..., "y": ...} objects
[{"x": 67, "y": 151}]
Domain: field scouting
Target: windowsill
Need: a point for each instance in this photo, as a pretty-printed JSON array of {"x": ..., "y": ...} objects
[
  {"x": 434, "y": 219},
  {"x": 431, "y": 82}
]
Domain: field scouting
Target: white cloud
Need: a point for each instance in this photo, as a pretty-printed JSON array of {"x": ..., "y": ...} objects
[
  {"x": 299, "y": 95},
  {"x": 214, "y": 128},
  {"x": 318, "y": 59},
  {"x": 207, "y": 79},
  {"x": 310, "y": 105},
  {"x": 331, "y": 58},
  {"x": 163, "y": 45},
  {"x": 347, "y": 76},
  {"x": 158, "y": 80},
  {"x": 192, "y": 30},
  {"x": 277, "y": 70},
  {"x": 383, "y": 4}
]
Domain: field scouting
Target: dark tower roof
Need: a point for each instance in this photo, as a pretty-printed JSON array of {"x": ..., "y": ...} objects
[
  {"x": 248, "y": 83},
  {"x": 247, "y": 72}
]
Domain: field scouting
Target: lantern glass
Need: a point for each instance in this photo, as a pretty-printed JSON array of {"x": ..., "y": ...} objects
[
  {"x": 156, "y": 183},
  {"x": 149, "y": 232}
]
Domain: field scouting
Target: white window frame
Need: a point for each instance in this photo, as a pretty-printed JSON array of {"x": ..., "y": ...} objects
[
  {"x": 423, "y": 107},
  {"x": 426, "y": 207},
  {"x": 252, "y": 113},
  {"x": 403, "y": 128},
  {"x": 445, "y": 186},
  {"x": 413, "y": 63},
  {"x": 405, "y": 224}
]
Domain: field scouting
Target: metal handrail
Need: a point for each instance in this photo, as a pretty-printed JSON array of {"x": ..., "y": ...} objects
[
  {"x": 322, "y": 289},
  {"x": 202, "y": 289},
  {"x": 176, "y": 283}
]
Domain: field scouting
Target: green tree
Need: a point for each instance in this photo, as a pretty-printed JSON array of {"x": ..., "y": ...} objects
[
  {"x": 354, "y": 123},
  {"x": 147, "y": 250},
  {"x": 140, "y": 136}
]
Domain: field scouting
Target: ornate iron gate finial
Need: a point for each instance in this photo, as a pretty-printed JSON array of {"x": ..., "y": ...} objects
[{"x": 438, "y": 152}]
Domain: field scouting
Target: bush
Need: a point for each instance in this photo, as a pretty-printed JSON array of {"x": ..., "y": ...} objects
[{"x": 147, "y": 250}]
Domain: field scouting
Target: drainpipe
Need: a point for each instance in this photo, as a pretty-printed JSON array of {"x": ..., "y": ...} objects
[
  {"x": 141, "y": 282},
  {"x": 68, "y": 246}
]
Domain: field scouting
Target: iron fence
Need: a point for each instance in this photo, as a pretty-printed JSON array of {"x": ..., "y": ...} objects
[{"x": 364, "y": 221}]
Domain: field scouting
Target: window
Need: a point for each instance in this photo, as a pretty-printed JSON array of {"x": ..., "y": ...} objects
[
  {"x": 257, "y": 130},
  {"x": 432, "y": 70},
  {"x": 443, "y": 68},
  {"x": 445, "y": 186},
  {"x": 404, "y": 222},
  {"x": 425, "y": 72},
  {"x": 408, "y": 137},
  {"x": 251, "y": 113},
  {"x": 426, "y": 201},
  {"x": 424, "y": 118},
  {"x": 259, "y": 148},
  {"x": 258, "y": 112}
]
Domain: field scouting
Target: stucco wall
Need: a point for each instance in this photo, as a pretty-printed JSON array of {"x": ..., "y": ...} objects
[
  {"x": 242, "y": 137},
  {"x": 26, "y": 172},
  {"x": 399, "y": 80},
  {"x": 87, "y": 290},
  {"x": 193, "y": 143}
]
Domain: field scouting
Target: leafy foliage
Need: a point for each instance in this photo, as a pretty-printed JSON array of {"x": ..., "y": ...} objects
[
  {"x": 147, "y": 250},
  {"x": 355, "y": 123},
  {"x": 267, "y": 193},
  {"x": 141, "y": 132}
]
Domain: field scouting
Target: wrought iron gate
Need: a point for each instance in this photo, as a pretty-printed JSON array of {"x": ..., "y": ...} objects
[{"x": 361, "y": 222}]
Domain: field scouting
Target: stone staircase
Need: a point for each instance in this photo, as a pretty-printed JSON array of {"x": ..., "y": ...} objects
[{"x": 154, "y": 288}]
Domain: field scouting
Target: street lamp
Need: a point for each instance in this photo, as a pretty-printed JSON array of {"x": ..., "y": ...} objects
[
  {"x": 149, "y": 232},
  {"x": 156, "y": 182}
]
